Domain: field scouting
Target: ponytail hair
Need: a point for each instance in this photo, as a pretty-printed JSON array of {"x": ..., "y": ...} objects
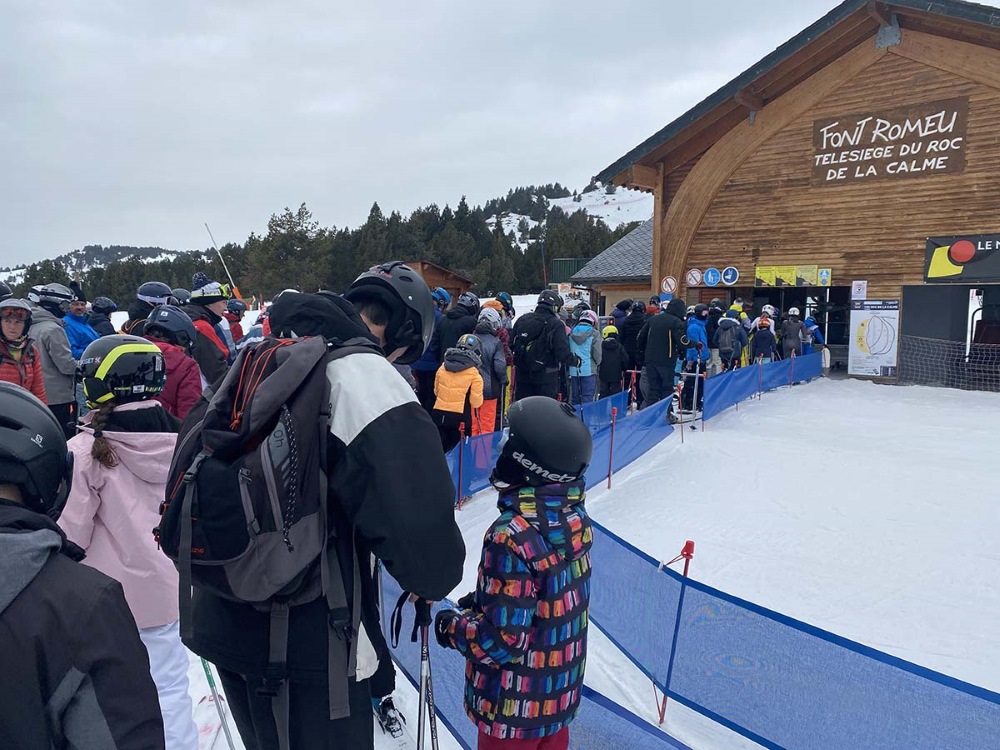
[{"x": 102, "y": 452}]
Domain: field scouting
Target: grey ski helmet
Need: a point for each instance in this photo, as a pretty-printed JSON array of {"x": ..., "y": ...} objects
[{"x": 54, "y": 298}]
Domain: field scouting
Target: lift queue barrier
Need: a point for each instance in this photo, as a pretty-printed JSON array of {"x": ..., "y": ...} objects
[
  {"x": 775, "y": 680},
  {"x": 600, "y": 724}
]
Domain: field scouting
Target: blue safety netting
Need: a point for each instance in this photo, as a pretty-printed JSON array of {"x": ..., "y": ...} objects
[
  {"x": 773, "y": 679},
  {"x": 472, "y": 460},
  {"x": 730, "y": 388},
  {"x": 600, "y": 723}
]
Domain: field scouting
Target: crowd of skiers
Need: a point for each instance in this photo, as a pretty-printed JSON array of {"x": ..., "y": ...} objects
[
  {"x": 664, "y": 341},
  {"x": 95, "y": 652}
]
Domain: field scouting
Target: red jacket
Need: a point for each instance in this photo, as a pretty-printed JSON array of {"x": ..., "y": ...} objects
[
  {"x": 183, "y": 386},
  {"x": 235, "y": 327},
  {"x": 25, "y": 372}
]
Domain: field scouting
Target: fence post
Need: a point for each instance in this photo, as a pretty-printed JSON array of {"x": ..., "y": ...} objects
[
  {"x": 687, "y": 552},
  {"x": 791, "y": 370},
  {"x": 461, "y": 462},
  {"x": 611, "y": 448},
  {"x": 680, "y": 406}
]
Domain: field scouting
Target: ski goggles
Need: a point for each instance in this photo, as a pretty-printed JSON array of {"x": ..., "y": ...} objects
[{"x": 14, "y": 313}]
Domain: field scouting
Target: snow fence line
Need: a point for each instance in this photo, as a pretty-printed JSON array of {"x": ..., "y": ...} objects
[
  {"x": 600, "y": 723},
  {"x": 780, "y": 682}
]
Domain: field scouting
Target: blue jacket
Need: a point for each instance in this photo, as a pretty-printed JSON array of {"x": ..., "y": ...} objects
[
  {"x": 79, "y": 333},
  {"x": 697, "y": 333},
  {"x": 585, "y": 342},
  {"x": 431, "y": 360}
]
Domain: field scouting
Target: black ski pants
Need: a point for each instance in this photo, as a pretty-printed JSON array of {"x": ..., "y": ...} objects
[
  {"x": 548, "y": 388},
  {"x": 661, "y": 381},
  {"x": 425, "y": 387},
  {"x": 609, "y": 388},
  {"x": 309, "y": 725},
  {"x": 65, "y": 414}
]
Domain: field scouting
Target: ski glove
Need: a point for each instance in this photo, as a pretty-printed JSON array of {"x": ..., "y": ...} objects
[
  {"x": 441, "y": 625},
  {"x": 468, "y": 601},
  {"x": 575, "y": 361}
]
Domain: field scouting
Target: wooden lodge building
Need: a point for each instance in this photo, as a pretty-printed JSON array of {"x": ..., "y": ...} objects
[
  {"x": 438, "y": 276},
  {"x": 856, "y": 163}
]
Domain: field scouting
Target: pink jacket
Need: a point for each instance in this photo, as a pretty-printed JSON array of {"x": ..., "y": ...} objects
[{"x": 111, "y": 513}]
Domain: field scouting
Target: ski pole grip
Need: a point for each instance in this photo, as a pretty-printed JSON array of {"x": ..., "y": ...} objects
[{"x": 423, "y": 612}]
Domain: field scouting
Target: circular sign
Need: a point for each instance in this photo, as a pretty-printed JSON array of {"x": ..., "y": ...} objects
[
  {"x": 730, "y": 275},
  {"x": 693, "y": 277},
  {"x": 712, "y": 276},
  {"x": 962, "y": 251},
  {"x": 668, "y": 285}
]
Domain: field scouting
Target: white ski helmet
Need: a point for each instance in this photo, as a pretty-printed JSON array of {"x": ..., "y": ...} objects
[
  {"x": 793, "y": 311},
  {"x": 769, "y": 311}
]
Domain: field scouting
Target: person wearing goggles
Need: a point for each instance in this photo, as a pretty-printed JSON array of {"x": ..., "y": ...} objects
[{"x": 19, "y": 359}]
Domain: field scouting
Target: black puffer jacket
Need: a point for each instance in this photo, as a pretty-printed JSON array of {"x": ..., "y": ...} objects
[
  {"x": 614, "y": 360},
  {"x": 75, "y": 673},
  {"x": 629, "y": 331},
  {"x": 453, "y": 325},
  {"x": 664, "y": 337},
  {"x": 102, "y": 324}
]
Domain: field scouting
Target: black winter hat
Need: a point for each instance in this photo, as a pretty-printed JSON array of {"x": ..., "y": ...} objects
[
  {"x": 297, "y": 315},
  {"x": 677, "y": 307}
]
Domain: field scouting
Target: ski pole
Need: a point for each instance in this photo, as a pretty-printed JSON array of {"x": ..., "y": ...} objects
[
  {"x": 686, "y": 553},
  {"x": 611, "y": 447},
  {"x": 426, "y": 693},
  {"x": 218, "y": 704},
  {"x": 461, "y": 461},
  {"x": 218, "y": 252}
]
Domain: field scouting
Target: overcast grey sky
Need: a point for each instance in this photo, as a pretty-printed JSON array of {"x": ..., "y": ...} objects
[{"x": 135, "y": 121}]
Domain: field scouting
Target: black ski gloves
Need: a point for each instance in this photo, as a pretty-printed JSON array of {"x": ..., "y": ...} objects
[
  {"x": 441, "y": 625},
  {"x": 468, "y": 601}
]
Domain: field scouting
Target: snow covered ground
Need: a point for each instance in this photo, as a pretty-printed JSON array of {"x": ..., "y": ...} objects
[{"x": 865, "y": 510}]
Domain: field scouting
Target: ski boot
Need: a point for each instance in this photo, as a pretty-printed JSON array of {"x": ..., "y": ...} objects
[{"x": 389, "y": 717}]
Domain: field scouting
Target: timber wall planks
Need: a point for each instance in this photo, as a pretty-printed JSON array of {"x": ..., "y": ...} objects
[{"x": 768, "y": 213}]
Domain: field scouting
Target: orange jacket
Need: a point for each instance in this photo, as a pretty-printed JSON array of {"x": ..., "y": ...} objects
[{"x": 451, "y": 388}]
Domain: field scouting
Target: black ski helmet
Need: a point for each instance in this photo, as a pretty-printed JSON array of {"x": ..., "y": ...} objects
[
  {"x": 410, "y": 305},
  {"x": 508, "y": 303},
  {"x": 154, "y": 293},
  {"x": 121, "y": 369},
  {"x": 550, "y": 299},
  {"x": 469, "y": 302},
  {"x": 33, "y": 454},
  {"x": 547, "y": 443},
  {"x": 5, "y": 291},
  {"x": 701, "y": 311},
  {"x": 639, "y": 306},
  {"x": 472, "y": 344},
  {"x": 175, "y": 325},
  {"x": 103, "y": 305},
  {"x": 182, "y": 295},
  {"x": 54, "y": 298}
]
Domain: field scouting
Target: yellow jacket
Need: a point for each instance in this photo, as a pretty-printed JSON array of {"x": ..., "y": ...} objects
[{"x": 451, "y": 388}]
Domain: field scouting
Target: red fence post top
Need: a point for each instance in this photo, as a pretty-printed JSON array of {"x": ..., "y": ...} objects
[
  {"x": 688, "y": 551},
  {"x": 614, "y": 412},
  {"x": 461, "y": 429}
]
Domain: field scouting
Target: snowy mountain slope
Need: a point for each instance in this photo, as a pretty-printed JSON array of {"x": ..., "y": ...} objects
[
  {"x": 619, "y": 208},
  {"x": 82, "y": 260}
]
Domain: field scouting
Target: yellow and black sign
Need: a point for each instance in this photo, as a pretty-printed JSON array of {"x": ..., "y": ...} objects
[
  {"x": 963, "y": 259},
  {"x": 765, "y": 276}
]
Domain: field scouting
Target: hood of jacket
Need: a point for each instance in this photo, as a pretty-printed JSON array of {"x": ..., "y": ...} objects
[
  {"x": 676, "y": 308},
  {"x": 729, "y": 323},
  {"x": 583, "y": 331},
  {"x": 137, "y": 309},
  {"x": 557, "y": 513},
  {"x": 27, "y": 541},
  {"x": 147, "y": 455},
  {"x": 42, "y": 317},
  {"x": 456, "y": 360},
  {"x": 326, "y": 315},
  {"x": 610, "y": 344},
  {"x": 457, "y": 313}
]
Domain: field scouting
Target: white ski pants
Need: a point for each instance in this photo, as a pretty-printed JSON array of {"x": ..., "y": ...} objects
[{"x": 168, "y": 664}]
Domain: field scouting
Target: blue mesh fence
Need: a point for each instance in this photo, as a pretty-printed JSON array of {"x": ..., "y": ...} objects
[
  {"x": 472, "y": 460},
  {"x": 773, "y": 679},
  {"x": 729, "y": 388},
  {"x": 600, "y": 723}
]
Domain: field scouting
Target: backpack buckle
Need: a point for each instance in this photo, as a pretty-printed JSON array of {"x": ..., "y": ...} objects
[
  {"x": 192, "y": 473},
  {"x": 269, "y": 687}
]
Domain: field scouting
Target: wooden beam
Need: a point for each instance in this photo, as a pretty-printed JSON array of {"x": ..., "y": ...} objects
[
  {"x": 660, "y": 199},
  {"x": 970, "y": 61},
  {"x": 642, "y": 177},
  {"x": 750, "y": 99},
  {"x": 713, "y": 170},
  {"x": 880, "y": 13}
]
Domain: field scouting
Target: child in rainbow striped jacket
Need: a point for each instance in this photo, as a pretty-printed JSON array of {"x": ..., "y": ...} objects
[{"x": 524, "y": 629}]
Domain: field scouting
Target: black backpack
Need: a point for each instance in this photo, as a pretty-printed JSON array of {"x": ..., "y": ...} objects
[
  {"x": 530, "y": 345},
  {"x": 246, "y": 513}
]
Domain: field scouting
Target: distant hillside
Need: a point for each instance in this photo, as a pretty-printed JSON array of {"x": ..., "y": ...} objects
[{"x": 537, "y": 223}]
